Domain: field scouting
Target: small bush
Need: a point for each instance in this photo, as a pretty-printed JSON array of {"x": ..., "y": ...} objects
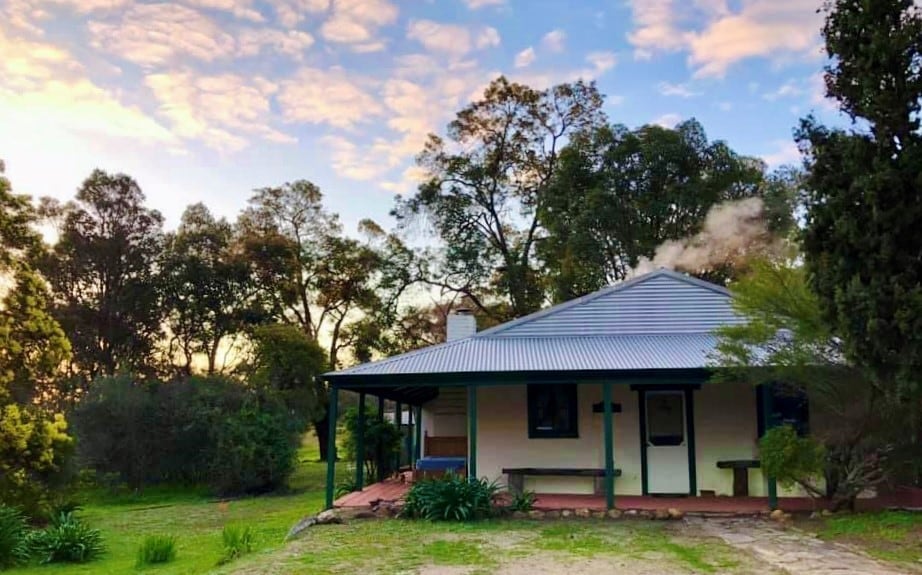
[
  {"x": 522, "y": 501},
  {"x": 157, "y": 549},
  {"x": 14, "y": 542},
  {"x": 237, "y": 542},
  {"x": 790, "y": 459},
  {"x": 451, "y": 498},
  {"x": 345, "y": 487},
  {"x": 67, "y": 540}
]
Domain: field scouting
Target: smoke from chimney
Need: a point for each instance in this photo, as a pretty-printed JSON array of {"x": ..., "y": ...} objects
[{"x": 732, "y": 231}]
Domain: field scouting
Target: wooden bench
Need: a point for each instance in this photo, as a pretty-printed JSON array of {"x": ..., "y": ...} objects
[
  {"x": 517, "y": 474},
  {"x": 740, "y": 469}
]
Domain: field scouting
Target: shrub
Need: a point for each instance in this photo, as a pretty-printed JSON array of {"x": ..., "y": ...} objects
[
  {"x": 238, "y": 541},
  {"x": 522, "y": 501},
  {"x": 14, "y": 544},
  {"x": 157, "y": 549},
  {"x": 381, "y": 437},
  {"x": 450, "y": 498},
  {"x": 67, "y": 540},
  {"x": 34, "y": 449},
  {"x": 215, "y": 431}
]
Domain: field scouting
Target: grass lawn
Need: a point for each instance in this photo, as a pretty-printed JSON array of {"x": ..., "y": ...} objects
[{"x": 891, "y": 535}]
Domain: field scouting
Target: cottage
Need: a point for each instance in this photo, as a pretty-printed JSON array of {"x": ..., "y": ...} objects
[{"x": 606, "y": 396}]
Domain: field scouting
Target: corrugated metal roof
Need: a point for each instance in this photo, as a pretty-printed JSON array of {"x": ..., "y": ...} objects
[
  {"x": 662, "y": 320},
  {"x": 515, "y": 354}
]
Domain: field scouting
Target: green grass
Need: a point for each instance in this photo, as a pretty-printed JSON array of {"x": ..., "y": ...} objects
[
  {"x": 889, "y": 535},
  {"x": 197, "y": 520}
]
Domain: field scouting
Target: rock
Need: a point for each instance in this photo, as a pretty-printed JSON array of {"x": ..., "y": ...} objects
[
  {"x": 825, "y": 513},
  {"x": 519, "y": 515},
  {"x": 554, "y": 514},
  {"x": 301, "y": 526},
  {"x": 566, "y": 513},
  {"x": 535, "y": 514},
  {"x": 661, "y": 514},
  {"x": 614, "y": 514},
  {"x": 328, "y": 517},
  {"x": 364, "y": 514},
  {"x": 776, "y": 515},
  {"x": 632, "y": 512},
  {"x": 815, "y": 515},
  {"x": 599, "y": 514},
  {"x": 583, "y": 513},
  {"x": 675, "y": 513}
]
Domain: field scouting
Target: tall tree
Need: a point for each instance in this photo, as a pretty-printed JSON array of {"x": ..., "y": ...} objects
[
  {"x": 487, "y": 183},
  {"x": 103, "y": 275},
  {"x": 207, "y": 288},
  {"x": 310, "y": 275},
  {"x": 864, "y": 193},
  {"x": 620, "y": 193},
  {"x": 17, "y": 216}
]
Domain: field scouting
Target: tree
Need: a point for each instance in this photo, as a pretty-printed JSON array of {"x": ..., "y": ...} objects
[
  {"x": 787, "y": 343},
  {"x": 18, "y": 238},
  {"x": 103, "y": 275},
  {"x": 487, "y": 183},
  {"x": 207, "y": 288},
  {"x": 308, "y": 274},
  {"x": 287, "y": 363},
  {"x": 619, "y": 194},
  {"x": 864, "y": 195}
]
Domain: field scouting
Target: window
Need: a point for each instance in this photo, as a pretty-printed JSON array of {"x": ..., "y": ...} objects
[
  {"x": 789, "y": 407},
  {"x": 665, "y": 418},
  {"x": 552, "y": 411}
]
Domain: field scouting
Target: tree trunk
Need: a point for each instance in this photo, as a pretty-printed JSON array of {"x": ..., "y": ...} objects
[{"x": 322, "y": 430}]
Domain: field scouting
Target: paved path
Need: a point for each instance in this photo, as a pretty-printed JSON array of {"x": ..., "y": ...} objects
[{"x": 792, "y": 551}]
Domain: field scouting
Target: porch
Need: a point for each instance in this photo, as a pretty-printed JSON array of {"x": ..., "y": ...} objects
[{"x": 395, "y": 489}]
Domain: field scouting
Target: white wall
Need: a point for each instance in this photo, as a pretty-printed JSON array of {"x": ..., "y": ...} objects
[{"x": 725, "y": 428}]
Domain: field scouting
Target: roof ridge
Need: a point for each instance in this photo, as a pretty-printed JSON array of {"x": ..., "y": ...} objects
[{"x": 607, "y": 290}]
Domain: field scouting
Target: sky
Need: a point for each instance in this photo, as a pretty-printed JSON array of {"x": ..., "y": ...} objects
[{"x": 206, "y": 100}]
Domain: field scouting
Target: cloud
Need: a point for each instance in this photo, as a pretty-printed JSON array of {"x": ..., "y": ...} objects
[
  {"x": 451, "y": 39},
  {"x": 789, "y": 89},
  {"x": 292, "y": 43},
  {"x": 524, "y": 58},
  {"x": 785, "y": 153},
  {"x": 668, "y": 120},
  {"x": 333, "y": 97},
  {"x": 357, "y": 21},
  {"x": 680, "y": 90},
  {"x": 222, "y": 111},
  {"x": 155, "y": 34},
  {"x": 554, "y": 40},
  {"x": 716, "y": 37},
  {"x": 242, "y": 9},
  {"x": 478, "y": 4},
  {"x": 350, "y": 160},
  {"x": 602, "y": 61},
  {"x": 291, "y": 12},
  {"x": 44, "y": 88}
]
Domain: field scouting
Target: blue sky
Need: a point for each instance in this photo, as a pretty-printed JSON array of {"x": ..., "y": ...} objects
[{"x": 205, "y": 100}]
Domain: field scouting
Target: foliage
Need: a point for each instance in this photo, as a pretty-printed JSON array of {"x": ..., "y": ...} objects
[
  {"x": 195, "y": 430},
  {"x": 207, "y": 287},
  {"x": 33, "y": 449},
  {"x": 792, "y": 460},
  {"x": 287, "y": 363},
  {"x": 862, "y": 203},
  {"x": 33, "y": 347},
  {"x": 486, "y": 185},
  {"x": 786, "y": 340},
  {"x": 14, "y": 537},
  {"x": 68, "y": 540},
  {"x": 18, "y": 239},
  {"x": 381, "y": 441},
  {"x": 620, "y": 193},
  {"x": 102, "y": 272},
  {"x": 254, "y": 450},
  {"x": 345, "y": 487},
  {"x": 306, "y": 273},
  {"x": 238, "y": 541},
  {"x": 450, "y": 497},
  {"x": 156, "y": 549},
  {"x": 522, "y": 501}
]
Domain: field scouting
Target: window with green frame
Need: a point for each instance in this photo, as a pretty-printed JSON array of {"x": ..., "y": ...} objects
[{"x": 552, "y": 411}]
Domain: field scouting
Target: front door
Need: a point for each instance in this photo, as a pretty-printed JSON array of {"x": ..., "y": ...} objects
[{"x": 666, "y": 443}]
